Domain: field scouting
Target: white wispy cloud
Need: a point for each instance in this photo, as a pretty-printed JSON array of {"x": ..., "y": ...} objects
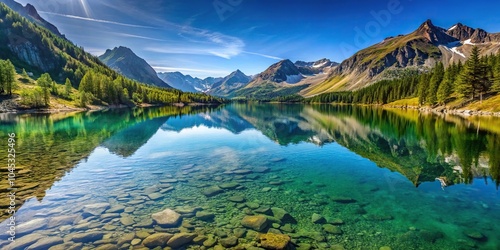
[
  {"x": 174, "y": 69},
  {"x": 263, "y": 55},
  {"x": 97, "y": 20},
  {"x": 139, "y": 37}
]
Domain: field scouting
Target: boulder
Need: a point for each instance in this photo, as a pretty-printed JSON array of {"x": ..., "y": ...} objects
[
  {"x": 180, "y": 239},
  {"x": 157, "y": 240},
  {"x": 274, "y": 241},
  {"x": 255, "y": 222},
  {"x": 167, "y": 218}
]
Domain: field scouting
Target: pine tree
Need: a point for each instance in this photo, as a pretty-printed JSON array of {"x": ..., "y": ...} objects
[
  {"x": 436, "y": 79},
  {"x": 45, "y": 82},
  {"x": 67, "y": 88},
  {"x": 473, "y": 78},
  {"x": 496, "y": 76},
  {"x": 446, "y": 88},
  {"x": 423, "y": 88}
]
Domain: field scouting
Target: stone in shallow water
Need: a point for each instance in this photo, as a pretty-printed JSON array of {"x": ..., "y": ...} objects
[
  {"x": 242, "y": 171},
  {"x": 210, "y": 242},
  {"x": 378, "y": 217},
  {"x": 95, "y": 209},
  {"x": 229, "y": 241},
  {"x": 212, "y": 191},
  {"x": 205, "y": 216},
  {"x": 261, "y": 169},
  {"x": 155, "y": 196},
  {"x": 237, "y": 198},
  {"x": 282, "y": 215},
  {"x": 127, "y": 220},
  {"x": 180, "y": 239},
  {"x": 336, "y": 221},
  {"x": 169, "y": 181},
  {"x": 264, "y": 210},
  {"x": 157, "y": 240},
  {"x": 126, "y": 238},
  {"x": 287, "y": 228},
  {"x": 274, "y": 241},
  {"x": 239, "y": 232},
  {"x": 385, "y": 248},
  {"x": 87, "y": 237},
  {"x": 266, "y": 189},
  {"x": 135, "y": 242},
  {"x": 106, "y": 247},
  {"x": 116, "y": 209},
  {"x": 64, "y": 220},
  {"x": 276, "y": 183},
  {"x": 67, "y": 246},
  {"x": 23, "y": 242},
  {"x": 255, "y": 222},
  {"x": 167, "y": 218},
  {"x": 344, "y": 200},
  {"x": 476, "y": 235},
  {"x": 229, "y": 185},
  {"x": 337, "y": 247},
  {"x": 46, "y": 243},
  {"x": 331, "y": 229},
  {"x": 318, "y": 219},
  {"x": 252, "y": 205},
  {"x": 30, "y": 226}
]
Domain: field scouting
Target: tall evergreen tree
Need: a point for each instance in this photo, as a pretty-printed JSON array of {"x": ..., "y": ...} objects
[
  {"x": 45, "y": 82},
  {"x": 435, "y": 82},
  {"x": 473, "y": 78}
]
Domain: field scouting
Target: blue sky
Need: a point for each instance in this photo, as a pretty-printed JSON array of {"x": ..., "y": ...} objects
[{"x": 215, "y": 37}]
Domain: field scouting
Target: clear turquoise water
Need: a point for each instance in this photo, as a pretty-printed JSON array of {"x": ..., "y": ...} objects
[{"x": 317, "y": 154}]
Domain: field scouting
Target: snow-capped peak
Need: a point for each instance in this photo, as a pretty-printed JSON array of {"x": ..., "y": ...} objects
[{"x": 452, "y": 28}]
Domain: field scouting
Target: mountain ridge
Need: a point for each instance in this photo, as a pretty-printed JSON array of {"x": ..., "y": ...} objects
[{"x": 126, "y": 62}]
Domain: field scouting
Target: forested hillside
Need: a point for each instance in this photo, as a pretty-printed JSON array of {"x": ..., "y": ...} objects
[
  {"x": 34, "y": 49},
  {"x": 476, "y": 79}
]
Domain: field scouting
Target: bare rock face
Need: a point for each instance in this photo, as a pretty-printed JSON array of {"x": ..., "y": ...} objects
[{"x": 167, "y": 218}]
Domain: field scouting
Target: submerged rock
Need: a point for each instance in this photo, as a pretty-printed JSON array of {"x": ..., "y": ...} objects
[
  {"x": 46, "y": 243},
  {"x": 23, "y": 242},
  {"x": 167, "y": 218},
  {"x": 157, "y": 240},
  {"x": 229, "y": 185},
  {"x": 229, "y": 241},
  {"x": 30, "y": 226},
  {"x": 95, "y": 209},
  {"x": 87, "y": 237},
  {"x": 212, "y": 191},
  {"x": 274, "y": 241},
  {"x": 237, "y": 198},
  {"x": 255, "y": 222},
  {"x": 205, "y": 216},
  {"x": 318, "y": 219},
  {"x": 475, "y": 235},
  {"x": 331, "y": 229},
  {"x": 282, "y": 215},
  {"x": 344, "y": 200},
  {"x": 180, "y": 239}
]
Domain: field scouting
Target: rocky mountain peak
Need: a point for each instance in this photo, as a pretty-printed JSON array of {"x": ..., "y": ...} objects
[
  {"x": 280, "y": 71},
  {"x": 434, "y": 34},
  {"x": 460, "y": 31}
]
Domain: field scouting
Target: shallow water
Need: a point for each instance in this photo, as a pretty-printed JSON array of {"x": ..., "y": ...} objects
[{"x": 371, "y": 172}]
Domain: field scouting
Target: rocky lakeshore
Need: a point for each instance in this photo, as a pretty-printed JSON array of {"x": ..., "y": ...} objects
[{"x": 200, "y": 207}]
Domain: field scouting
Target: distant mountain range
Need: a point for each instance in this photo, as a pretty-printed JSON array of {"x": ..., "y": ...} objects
[
  {"x": 188, "y": 83},
  {"x": 127, "y": 63}
]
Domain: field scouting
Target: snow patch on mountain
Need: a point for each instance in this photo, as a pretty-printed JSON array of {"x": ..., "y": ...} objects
[
  {"x": 468, "y": 41},
  {"x": 452, "y": 28},
  {"x": 294, "y": 78},
  {"x": 320, "y": 65}
]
